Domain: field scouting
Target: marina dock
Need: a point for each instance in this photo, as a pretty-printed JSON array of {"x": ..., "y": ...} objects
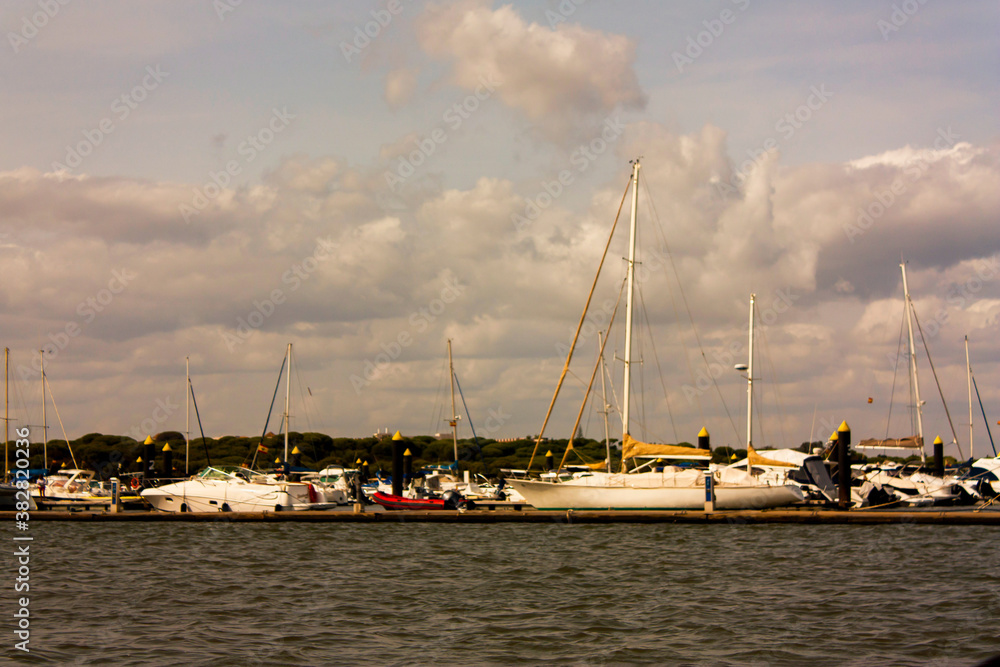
[{"x": 809, "y": 516}]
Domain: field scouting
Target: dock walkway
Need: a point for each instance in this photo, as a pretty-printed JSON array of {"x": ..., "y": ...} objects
[{"x": 951, "y": 516}]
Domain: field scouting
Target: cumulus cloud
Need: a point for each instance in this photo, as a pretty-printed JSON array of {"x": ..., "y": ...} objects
[
  {"x": 309, "y": 253},
  {"x": 556, "y": 77}
]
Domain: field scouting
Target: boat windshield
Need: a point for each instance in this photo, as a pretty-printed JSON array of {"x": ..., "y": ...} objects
[{"x": 229, "y": 473}]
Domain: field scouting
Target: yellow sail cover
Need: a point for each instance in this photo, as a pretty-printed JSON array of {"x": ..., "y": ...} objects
[
  {"x": 756, "y": 459},
  {"x": 632, "y": 447}
]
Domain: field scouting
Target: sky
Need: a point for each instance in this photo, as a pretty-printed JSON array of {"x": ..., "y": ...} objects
[{"x": 215, "y": 180}]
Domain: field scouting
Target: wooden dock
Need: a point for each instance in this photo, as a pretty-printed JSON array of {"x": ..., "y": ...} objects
[{"x": 938, "y": 516}]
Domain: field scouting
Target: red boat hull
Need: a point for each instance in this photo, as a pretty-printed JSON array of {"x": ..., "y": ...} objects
[{"x": 391, "y": 502}]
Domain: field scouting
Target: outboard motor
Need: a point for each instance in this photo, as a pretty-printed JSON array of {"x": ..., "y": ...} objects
[{"x": 454, "y": 501}]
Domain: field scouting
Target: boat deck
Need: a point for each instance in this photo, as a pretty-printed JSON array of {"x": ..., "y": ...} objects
[{"x": 989, "y": 516}]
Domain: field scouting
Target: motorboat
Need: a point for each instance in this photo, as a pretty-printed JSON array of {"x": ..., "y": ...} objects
[
  {"x": 235, "y": 489},
  {"x": 71, "y": 484},
  {"x": 450, "y": 500}
]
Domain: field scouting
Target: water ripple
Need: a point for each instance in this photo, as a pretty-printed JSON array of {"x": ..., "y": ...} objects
[{"x": 304, "y": 594}]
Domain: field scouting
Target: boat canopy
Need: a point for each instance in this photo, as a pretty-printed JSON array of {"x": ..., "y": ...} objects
[
  {"x": 632, "y": 448},
  {"x": 912, "y": 442}
]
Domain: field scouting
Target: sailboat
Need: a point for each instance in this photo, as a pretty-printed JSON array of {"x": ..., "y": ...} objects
[
  {"x": 779, "y": 466},
  {"x": 665, "y": 487},
  {"x": 8, "y": 491},
  {"x": 913, "y": 487}
]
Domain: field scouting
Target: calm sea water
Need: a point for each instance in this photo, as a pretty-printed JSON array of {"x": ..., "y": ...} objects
[{"x": 332, "y": 594}]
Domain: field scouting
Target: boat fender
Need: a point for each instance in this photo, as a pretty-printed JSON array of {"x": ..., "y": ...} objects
[{"x": 313, "y": 497}]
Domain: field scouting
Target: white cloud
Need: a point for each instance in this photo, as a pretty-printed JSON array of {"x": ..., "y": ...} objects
[{"x": 556, "y": 77}]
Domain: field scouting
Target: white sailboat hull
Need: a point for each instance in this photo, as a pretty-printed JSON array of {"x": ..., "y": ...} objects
[
  {"x": 622, "y": 495},
  {"x": 197, "y": 495}
]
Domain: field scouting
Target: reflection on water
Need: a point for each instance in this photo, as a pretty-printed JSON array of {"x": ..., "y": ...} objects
[{"x": 309, "y": 594}]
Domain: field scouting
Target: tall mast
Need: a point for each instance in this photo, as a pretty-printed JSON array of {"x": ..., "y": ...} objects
[
  {"x": 288, "y": 393},
  {"x": 604, "y": 400},
  {"x": 45, "y": 432},
  {"x": 187, "y": 416},
  {"x": 454, "y": 417},
  {"x": 915, "y": 382},
  {"x": 750, "y": 383},
  {"x": 6, "y": 409},
  {"x": 628, "y": 302},
  {"x": 968, "y": 367}
]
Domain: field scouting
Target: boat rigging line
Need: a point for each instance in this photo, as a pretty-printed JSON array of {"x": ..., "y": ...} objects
[
  {"x": 947, "y": 412},
  {"x": 659, "y": 369},
  {"x": 979, "y": 398},
  {"x": 895, "y": 370},
  {"x": 687, "y": 308},
  {"x": 464, "y": 405},
  {"x": 61, "y": 427},
  {"x": 586, "y": 395},
  {"x": 204, "y": 442},
  {"x": 263, "y": 434},
  {"x": 579, "y": 326}
]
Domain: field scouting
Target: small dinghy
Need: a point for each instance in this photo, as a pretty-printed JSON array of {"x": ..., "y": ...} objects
[{"x": 448, "y": 501}]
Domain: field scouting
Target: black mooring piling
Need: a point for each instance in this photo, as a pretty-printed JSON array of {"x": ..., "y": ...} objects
[{"x": 844, "y": 465}]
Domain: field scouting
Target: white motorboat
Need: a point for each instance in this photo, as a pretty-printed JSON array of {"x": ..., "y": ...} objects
[
  {"x": 71, "y": 484},
  {"x": 988, "y": 471},
  {"x": 647, "y": 488},
  {"x": 235, "y": 489},
  {"x": 334, "y": 482}
]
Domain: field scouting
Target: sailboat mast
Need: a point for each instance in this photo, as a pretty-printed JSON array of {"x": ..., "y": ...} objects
[
  {"x": 628, "y": 299},
  {"x": 968, "y": 368},
  {"x": 604, "y": 400},
  {"x": 913, "y": 364},
  {"x": 187, "y": 416},
  {"x": 6, "y": 409},
  {"x": 45, "y": 431},
  {"x": 454, "y": 417},
  {"x": 288, "y": 393},
  {"x": 750, "y": 381}
]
